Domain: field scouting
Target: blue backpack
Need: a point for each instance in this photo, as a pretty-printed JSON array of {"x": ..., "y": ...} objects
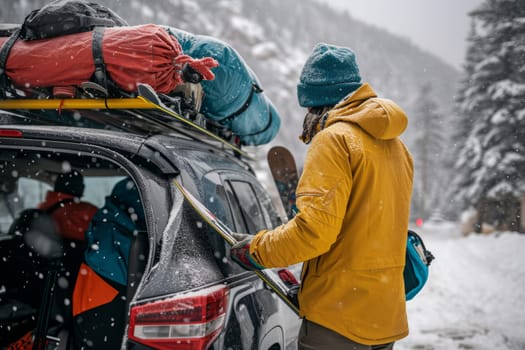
[{"x": 418, "y": 259}]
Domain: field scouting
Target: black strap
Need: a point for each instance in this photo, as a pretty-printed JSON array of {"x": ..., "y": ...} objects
[
  {"x": 44, "y": 311},
  {"x": 90, "y": 21},
  {"x": 270, "y": 120},
  {"x": 255, "y": 89},
  {"x": 4, "y": 53},
  {"x": 100, "y": 74},
  {"x": 58, "y": 204}
]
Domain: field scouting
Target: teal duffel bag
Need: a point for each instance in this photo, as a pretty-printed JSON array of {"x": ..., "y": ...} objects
[
  {"x": 235, "y": 98},
  {"x": 418, "y": 259}
]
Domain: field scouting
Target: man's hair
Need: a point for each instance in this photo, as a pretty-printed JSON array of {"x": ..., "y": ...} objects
[{"x": 314, "y": 121}]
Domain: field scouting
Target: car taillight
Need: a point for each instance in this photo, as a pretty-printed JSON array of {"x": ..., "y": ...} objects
[
  {"x": 287, "y": 277},
  {"x": 187, "y": 322},
  {"x": 10, "y": 133}
]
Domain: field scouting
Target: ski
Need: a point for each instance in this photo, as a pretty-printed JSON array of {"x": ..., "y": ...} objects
[
  {"x": 147, "y": 94},
  {"x": 226, "y": 233},
  {"x": 284, "y": 171}
]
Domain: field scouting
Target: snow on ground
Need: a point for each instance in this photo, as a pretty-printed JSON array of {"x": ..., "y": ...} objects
[{"x": 475, "y": 295}]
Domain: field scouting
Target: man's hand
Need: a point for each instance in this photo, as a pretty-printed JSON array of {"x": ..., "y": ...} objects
[{"x": 240, "y": 252}]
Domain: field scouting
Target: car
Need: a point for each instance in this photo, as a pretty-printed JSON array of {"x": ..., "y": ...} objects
[{"x": 183, "y": 291}]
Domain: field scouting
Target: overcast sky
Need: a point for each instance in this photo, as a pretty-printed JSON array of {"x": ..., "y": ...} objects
[{"x": 437, "y": 26}]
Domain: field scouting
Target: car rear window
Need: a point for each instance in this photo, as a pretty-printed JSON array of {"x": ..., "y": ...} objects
[{"x": 27, "y": 176}]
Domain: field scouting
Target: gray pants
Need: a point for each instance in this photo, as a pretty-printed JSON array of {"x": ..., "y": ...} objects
[{"x": 315, "y": 337}]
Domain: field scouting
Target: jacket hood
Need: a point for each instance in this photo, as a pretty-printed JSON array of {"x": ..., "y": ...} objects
[
  {"x": 381, "y": 118},
  {"x": 125, "y": 196}
]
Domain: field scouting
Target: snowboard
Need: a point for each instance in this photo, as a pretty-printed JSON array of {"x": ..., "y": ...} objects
[
  {"x": 284, "y": 172},
  {"x": 286, "y": 294}
]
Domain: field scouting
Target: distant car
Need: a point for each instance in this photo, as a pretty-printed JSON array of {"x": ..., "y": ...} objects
[
  {"x": 436, "y": 217},
  {"x": 183, "y": 290}
]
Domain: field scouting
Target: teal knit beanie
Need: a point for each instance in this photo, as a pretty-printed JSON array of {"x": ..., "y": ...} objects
[{"x": 329, "y": 74}]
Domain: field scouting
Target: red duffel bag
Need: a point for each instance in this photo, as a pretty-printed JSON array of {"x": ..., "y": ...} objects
[{"x": 135, "y": 54}]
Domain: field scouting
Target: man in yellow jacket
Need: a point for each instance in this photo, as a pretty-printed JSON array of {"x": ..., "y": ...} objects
[{"x": 353, "y": 199}]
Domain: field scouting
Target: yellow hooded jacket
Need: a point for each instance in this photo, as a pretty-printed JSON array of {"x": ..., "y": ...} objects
[{"x": 351, "y": 229}]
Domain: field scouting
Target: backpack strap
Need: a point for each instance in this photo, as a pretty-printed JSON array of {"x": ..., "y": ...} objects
[{"x": 4, "y": 53}]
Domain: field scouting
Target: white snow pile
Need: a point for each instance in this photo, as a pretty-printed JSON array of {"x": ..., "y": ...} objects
[{"x": 475, "y": 295}]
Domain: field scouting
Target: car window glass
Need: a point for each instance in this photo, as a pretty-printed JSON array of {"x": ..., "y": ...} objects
[
  {"x": 215, "y": 198},
  {"x": 27, "y": 177},
  {"x": 103, "y": 186},
  {"x": 239, "y": 224},
  {"x": 268, "y": 208},
  {"x": 248, "y": 215},
  {"x": 32, "y": 192}
]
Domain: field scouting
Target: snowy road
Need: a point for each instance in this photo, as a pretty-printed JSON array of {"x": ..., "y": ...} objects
[{"x": 475, "y": 296}]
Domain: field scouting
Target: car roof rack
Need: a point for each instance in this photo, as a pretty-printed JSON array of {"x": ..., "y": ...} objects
[{"x": 146, "y": 114}]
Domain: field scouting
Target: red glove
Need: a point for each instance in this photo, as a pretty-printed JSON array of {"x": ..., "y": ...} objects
[
  {"x": 194, "y": 70},
  {"x": 240, "y": 252}
]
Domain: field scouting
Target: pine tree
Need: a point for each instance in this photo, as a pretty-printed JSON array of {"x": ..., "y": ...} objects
[
  {"x": 491, "y": 160},
  {"x": 461, "y": 157},
  {"x": 428, "y": 153}
]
